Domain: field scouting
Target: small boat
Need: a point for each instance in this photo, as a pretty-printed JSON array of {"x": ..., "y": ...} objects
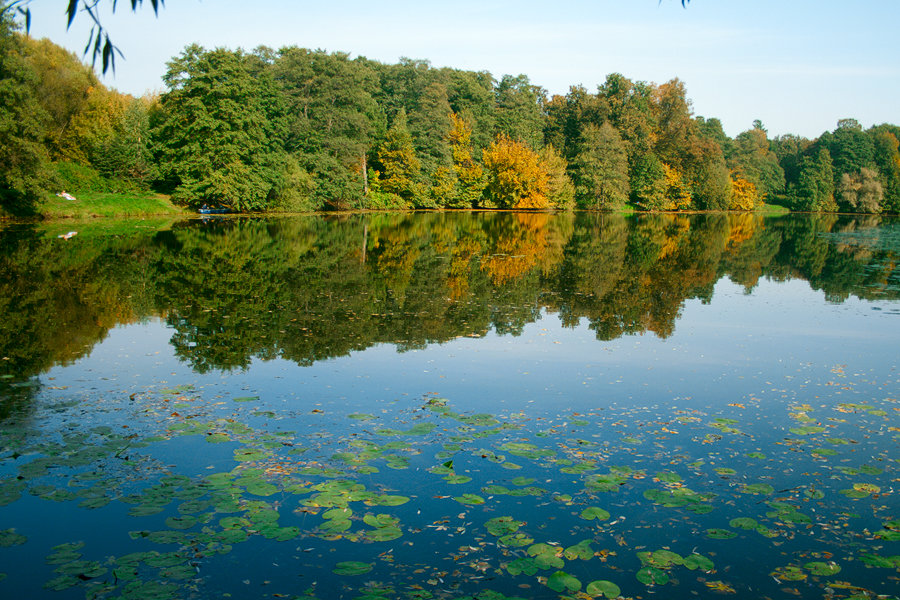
[{"x": 205, "y": 210}]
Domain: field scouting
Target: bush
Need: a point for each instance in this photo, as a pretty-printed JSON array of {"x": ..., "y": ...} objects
[{"x": 74, "y": 177}]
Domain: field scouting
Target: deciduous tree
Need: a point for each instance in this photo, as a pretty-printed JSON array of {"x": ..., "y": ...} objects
[
  {"x": 516, "y": 177},
  {"x": 600, "y": 168},
  {"x": 222, "y": 131}
]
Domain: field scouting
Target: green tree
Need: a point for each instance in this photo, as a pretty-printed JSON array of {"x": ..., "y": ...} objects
[
  {"x": 429, "y": 124},
  {"x": 648, "y": 182},
  {"x": 814, "y": 191},
  {"x": 221, "y": 133},
  {"x": 24, "y": 172},
  {"x": 751, "y": 157},
  {"x": 560, "y": 189},
  {"x": 790, "y": 150},
  {"x": 520, "y": 110},
  {"x": 469, "y": 174},
  {"x": 400, "y": 168},
  {"x": 887, "y": 159},
  {"x": 850, "y": 148},
  {"x": 333, "y": 119},
  {"x": 600, "y": 169}
]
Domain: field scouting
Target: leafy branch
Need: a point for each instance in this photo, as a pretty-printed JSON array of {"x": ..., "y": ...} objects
[{"x": 99, "y": 45}]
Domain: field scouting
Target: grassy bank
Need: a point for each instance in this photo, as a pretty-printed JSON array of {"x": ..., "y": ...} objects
[
  {"x": 104, "y": 204},
  {"x": 772, "y": 209}
]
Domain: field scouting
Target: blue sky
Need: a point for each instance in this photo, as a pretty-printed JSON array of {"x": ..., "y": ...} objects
[{"x": 797, "y": 65}]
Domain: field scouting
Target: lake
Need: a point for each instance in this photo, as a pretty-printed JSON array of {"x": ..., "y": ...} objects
[{"x": 466, "y": 406}]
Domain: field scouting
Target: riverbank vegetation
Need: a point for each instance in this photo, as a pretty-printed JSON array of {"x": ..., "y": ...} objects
[{"x": 302, "y": 130}]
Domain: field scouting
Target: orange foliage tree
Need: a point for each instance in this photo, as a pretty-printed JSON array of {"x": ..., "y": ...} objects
[{"x": 516, "y": 176}]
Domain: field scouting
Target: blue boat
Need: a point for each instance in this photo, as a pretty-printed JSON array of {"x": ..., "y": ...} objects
[{"x": 205, "y": 210}]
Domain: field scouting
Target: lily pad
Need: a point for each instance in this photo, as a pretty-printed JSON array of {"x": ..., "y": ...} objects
[
  {"x": 652, "y": 576},
  {"x": 561, "y": 581},
  {"x": 352, "y": 567},
  {"x": 9, "y": 537},
  {"x": 720, "y": 534},
  {"x": 822, "y": 569},
  {"x": 603, "y": 587},
  {"x": 469, "y": 499},
  {"x": 698, "y": 561},
  {"x": 592, "y": 512}
]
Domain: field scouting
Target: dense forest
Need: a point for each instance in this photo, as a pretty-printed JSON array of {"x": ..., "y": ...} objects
[{"x": 301, "y": 130}]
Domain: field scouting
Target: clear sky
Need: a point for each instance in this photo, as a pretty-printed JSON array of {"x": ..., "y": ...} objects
[{"x": 797, "y": 65}]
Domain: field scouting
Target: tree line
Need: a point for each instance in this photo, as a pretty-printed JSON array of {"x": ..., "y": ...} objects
[{"x": 302, "y": 130}]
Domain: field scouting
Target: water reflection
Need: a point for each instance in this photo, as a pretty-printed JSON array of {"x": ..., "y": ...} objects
[{"x": 311, "y": 288}]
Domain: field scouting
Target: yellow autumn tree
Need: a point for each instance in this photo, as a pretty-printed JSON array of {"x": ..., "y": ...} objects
[
  {"x": 469, "y": 174},
  {"x": 516, "y": 176},
  {"x": 677, "y": 194},
  {"x": 744, "y": 194}
]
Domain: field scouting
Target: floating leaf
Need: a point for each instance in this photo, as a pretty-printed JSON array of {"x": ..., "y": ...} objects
[
  {"x": 652, "y": 576},
  {"x": 457, "y": 479},
  {"x": 520, "y": 566},
  {"x": 9, "y": 537},
  {"x": 806, "y": 430},
  {"x": 744, "y": 523},
  {"x": 561, "y": 580},
  {"x": 789, "y": 574},
  {"x": 183, "y": 522},
  {"x": 822, "y": 569},
  {"x": 698, "y": 561},
  {"x": 361, "y": 416},
  {"x": 351, "y": 567},
  {"x": 384, "y": 534},
  {"x": 603, "y": 587},
  {"x": 387, "y": 500},
  {"x": 249, "y": 454},
  {"x": 502, "y": 525},
  {"x": 592, "y": 512},
  {"x": 381, "y": 520},
  {"x": 720, "y": 534},
  {"x": 469, "y": 499},
  {"x": 758, "y": 488},
  {"x": 582, "y": 550}
]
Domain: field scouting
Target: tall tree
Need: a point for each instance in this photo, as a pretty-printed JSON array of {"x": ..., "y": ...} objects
[
  {"x": 600, "y": 168},
  {"x": 400, "y": 168},
  {"x": 850, "y": 147},
  {"x": 24, "y": 162},
  {"x": 751, "y": 158},
  {"x": 520, "y": 110},
  {"x": 887, "y": 159},
  {"x": 814, "y": 191},
  {"x": 469, "y": 174},
  {"x": 66, "y": 88},
  {"x": 560, "y": 189},
  {"x": 333, "y": 119},
  {"x": 429, "y": 124},
  {"x": 221, "y": 135}
]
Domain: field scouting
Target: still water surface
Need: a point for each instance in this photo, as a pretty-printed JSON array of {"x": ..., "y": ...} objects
[{"x": 452, "y": 406}]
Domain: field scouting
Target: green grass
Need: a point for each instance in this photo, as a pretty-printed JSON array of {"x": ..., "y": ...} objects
[
  {"x": 103, "y": 204},
  {"x": 772, "y": 209}
]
